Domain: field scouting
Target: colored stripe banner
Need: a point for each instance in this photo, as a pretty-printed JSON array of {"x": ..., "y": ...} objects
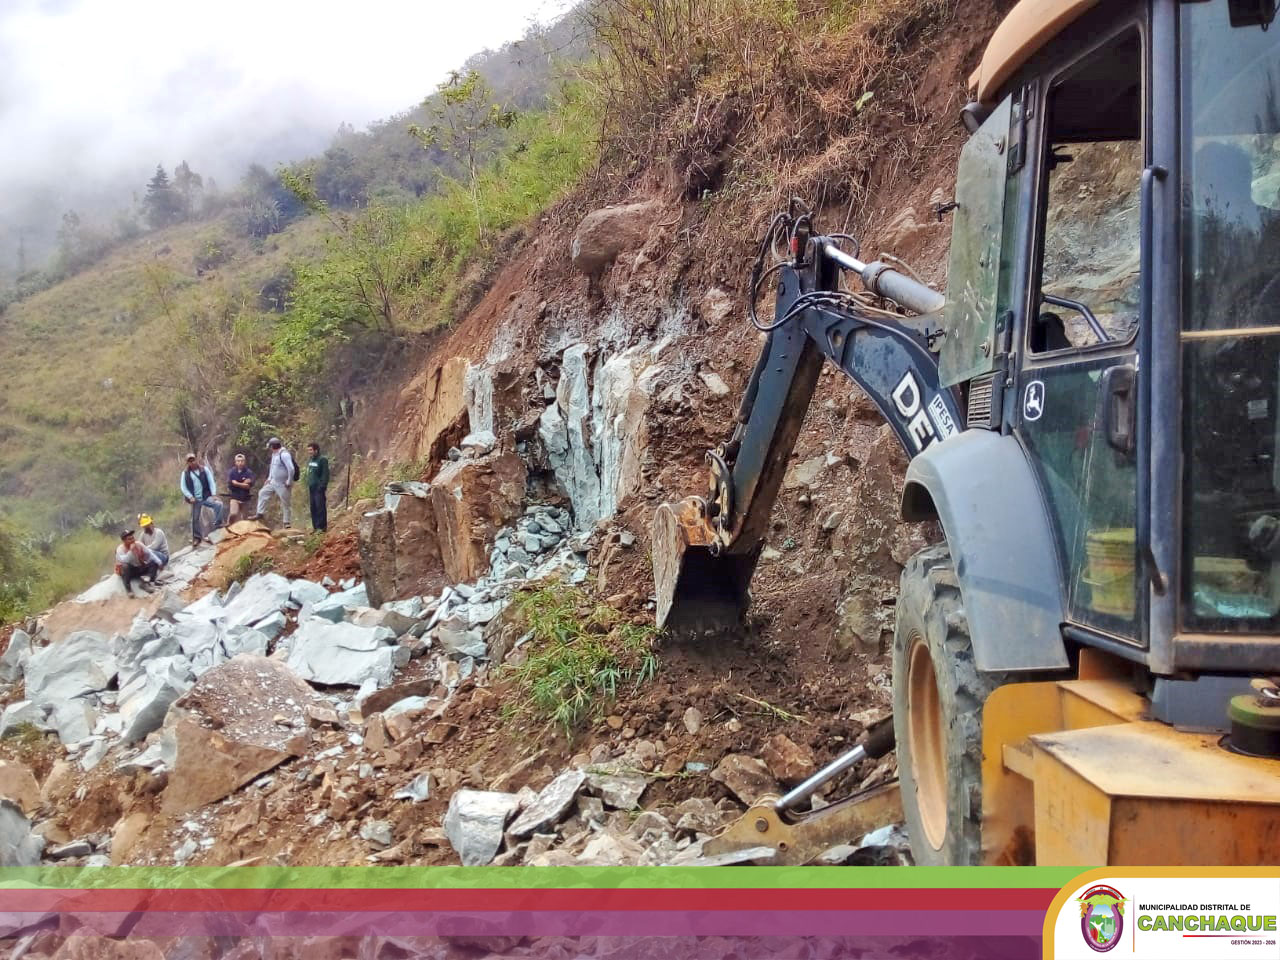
[{"x": 803, "y": 912}]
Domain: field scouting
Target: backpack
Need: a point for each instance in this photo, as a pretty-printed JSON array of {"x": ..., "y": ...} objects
[{"x": 297, "y": 474}]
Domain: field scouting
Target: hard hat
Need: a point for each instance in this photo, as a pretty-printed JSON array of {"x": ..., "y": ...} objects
[{"x": 144, "y": 520}]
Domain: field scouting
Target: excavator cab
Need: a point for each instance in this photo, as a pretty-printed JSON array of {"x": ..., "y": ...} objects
[{"x": 1085, "y": 670}]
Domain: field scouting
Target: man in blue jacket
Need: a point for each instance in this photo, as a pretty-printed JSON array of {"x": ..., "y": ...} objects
[{"x": 198, "y": 488}]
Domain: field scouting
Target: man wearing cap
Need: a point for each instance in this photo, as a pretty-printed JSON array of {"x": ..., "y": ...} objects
[
  {"x": 280, "y": 476},
  {"x": 240, "y": 480},
  {"x": 198, "y": 487},
  {"x": 134, "y": 562},
  {"x": 153, "y": 538}
]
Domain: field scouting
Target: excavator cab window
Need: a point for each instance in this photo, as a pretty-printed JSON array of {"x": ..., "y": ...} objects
[
  {"x": 1230, "y": 74},
  {"x": 1091, "y": 248}
]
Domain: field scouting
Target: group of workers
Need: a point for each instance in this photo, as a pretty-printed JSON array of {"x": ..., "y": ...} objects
[{"x": 142, "y": 554}]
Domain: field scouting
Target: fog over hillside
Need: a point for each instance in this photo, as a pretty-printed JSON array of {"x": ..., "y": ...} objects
[{"x": 95, "y": 94}]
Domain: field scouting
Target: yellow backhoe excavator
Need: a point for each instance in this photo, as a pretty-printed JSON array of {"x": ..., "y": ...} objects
[{"x": 1085, "y": 671}]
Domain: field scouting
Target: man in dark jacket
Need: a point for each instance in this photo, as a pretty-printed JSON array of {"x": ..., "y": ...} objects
[
  {"x": 198, "y": 488},
  {"x": 240, "y": 480},
  {"x": 318, "y": 487}
]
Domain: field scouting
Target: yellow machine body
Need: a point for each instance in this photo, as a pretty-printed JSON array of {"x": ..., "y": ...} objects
[{"x": 1074, "y": 774}]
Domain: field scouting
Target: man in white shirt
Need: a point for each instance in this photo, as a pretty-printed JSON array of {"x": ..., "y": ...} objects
[{"x": 280, "y": 477}]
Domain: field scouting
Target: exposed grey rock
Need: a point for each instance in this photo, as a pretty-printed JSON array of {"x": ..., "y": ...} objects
[
  {"x": 76, "y": 848},
  {"x": 145, "y": 700},
  {"x": 459, "y": 640},
  {"x": 342, "y": 653},
  {"x": 80, "y": 663},
  {"x": 197, "y": 637},
  {"x": 335, "y": 606},
  {"x": 531, "y": 543},
  {"x": 263, "y": 595},
  {"x": 474, "y": 824},
  {"x": 303, "y": 592},
  {"x": 270, "y": 627},
  {"x": 73, "y": 720},
  {"x": 19, "y": 714},
  {"x": 208, "y": 607},
  {"x": 397, "y": 623},
  {"x": 151, "y": 758},
  {"x": 252, "y": 640},
  {"x": 377, "y": 832},
  {"x": 19, "y": 847},
  {"x": 479, "y": 443},
  {"x": 413, "y": 607},
  {"x": 15, "y": 656},
  {"x": 609, "y": 850},
  {"x": 627, "y": 539},
  {"x": 481, "y": 613},
  {"x": 728, "y": 859},
  {"x": 417, "y": 789},
  {"x": 617, "y": 790},
  {"x": 186, "y": 850},
  {"x": 93, "y": 755},
  {"x": 552, "y": 803}
]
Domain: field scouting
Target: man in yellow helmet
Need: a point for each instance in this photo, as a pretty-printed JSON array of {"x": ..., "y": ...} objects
[{"x": 153, "y": 538}]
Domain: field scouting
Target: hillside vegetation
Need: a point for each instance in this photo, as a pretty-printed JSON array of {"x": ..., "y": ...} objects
[{"x": 267, "y": 317}]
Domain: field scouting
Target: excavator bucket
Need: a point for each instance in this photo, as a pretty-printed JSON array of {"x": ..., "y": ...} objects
[{"x": 698, "y": 592}]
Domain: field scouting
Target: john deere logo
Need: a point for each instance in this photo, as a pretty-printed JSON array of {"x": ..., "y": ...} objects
[{"x": 1101, "y": 917}]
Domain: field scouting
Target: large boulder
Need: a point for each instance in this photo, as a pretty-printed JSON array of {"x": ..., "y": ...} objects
[
  {"x": 79, "y": 664},
  {"x": 605, "y": 233},
  {"x": 263, "y": 594},
  {"x": 475, "y": 821},
  {"x": 145, "y": 699},
  {"x": 400, "y": 551},
  {"x": 343, "y": 653},
  {"x": 241, "y": 719},
  {"x": 472, "y": 500}
]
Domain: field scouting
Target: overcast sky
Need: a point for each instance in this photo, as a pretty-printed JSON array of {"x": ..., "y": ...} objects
[{"x": 98, "y": 88}]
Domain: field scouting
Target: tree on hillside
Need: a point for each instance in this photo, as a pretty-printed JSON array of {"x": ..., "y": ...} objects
[
  {"x": 373, "y": 260},
  {"x": 162, "y": 203},
  {"x": 465, "y": 121},
  {"x": 189, "y": 185}
]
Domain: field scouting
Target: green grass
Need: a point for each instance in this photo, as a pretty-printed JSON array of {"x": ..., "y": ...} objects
[
  {"x": 249, "y": 565},
  {"x": 581, "y": 655}
]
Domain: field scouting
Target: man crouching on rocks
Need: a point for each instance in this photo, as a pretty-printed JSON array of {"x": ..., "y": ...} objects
[
  {"x": 135, "y": 563},
  {"x": 153, "y": 538}
]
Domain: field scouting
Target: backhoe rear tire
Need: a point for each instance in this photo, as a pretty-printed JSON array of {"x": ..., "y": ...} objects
[{"x": 938, "y": 694}]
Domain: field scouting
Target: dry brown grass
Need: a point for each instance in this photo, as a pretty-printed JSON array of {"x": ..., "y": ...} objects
[{"x": 758, "y": 100}]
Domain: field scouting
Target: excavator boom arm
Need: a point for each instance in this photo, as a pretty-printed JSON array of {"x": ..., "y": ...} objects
[{"x": 705, "y": 550}]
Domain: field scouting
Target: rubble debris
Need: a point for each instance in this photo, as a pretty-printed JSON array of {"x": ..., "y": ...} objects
[
  {"x": 620, "y": 791},
  {"x": 377, "y": 832},
  {"x": 224, "y": 730},
  {"x": 417, "y": 789},
  {"x": 145, "y": 699},
  {"x": 19, "y": 846},
  {"x": 748, "y": 778},
  {"x": 475, "y": 822},
  {"x": 789, "y": 762},
  {"x": 552, "y": 803}
]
